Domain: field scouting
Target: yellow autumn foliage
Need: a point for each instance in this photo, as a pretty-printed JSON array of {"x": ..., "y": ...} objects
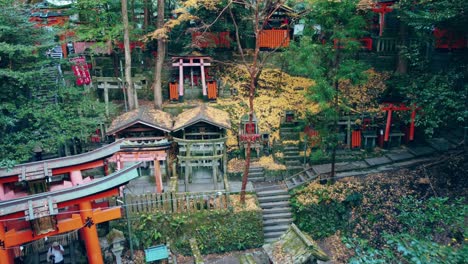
[
  {"x": 364, "y": 98},
  {"x": 276, "y": 92},
  {"x": 237, "y": 165},
  {"x": 315, "y": 193}
]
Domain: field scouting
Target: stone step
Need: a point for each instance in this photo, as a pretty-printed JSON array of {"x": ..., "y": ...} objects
[
  {"x": 275, "y": 228},
  {"x": 274, "y": 204},
  {"x": 293, "y": 163},
  {"x": 288, "y": 129},
  {"x": 296, "y": 157},
  {"x": 272, "y": 193},
  {"x": 278, "y": 210},
  {"x": 310, "y": 173},
  {"x": 256, "y": 169},
  {"x": 256, "y": 179},
  {"x": 276, "y": 198},
  {"x": 275, "y": 222},
  {"x": 291, "y": 152},
  {"x": 256, "y": 174},
  {"x": 291, "y": 148},
  {"x": 287, "y": 215},
  {"x": 273, "y": 235}
]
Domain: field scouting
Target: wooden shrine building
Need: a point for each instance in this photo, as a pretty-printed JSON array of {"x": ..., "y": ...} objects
[
  {"x": 146, "y": 131},
  {"x": 200, "y": 133},
  {"x": 249, "y": 132},
  {"x": 192, "y": 73}
]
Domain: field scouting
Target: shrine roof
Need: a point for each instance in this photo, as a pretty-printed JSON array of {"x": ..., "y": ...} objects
[
  {"x": 202, "y": 113},
  {"x": 144, "y": 115}
]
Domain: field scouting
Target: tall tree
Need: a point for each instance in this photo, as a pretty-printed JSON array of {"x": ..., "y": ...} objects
[
  {"x": 160, "y": 59},
  {"x": 327, "y": 54},
  {"x": 259, "y": 12},
  {"x": 27, "y": 115},
  {"x": 131, "y": 93}
]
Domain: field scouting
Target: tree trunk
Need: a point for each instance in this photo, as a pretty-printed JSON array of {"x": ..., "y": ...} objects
[
  {"x": 131, "y": 95},
  {"x": 335, "y": 127},
  {"x": 254, "y": 72},
  {"x": 145, "y": 15},
  {"x": 253, "y": 77},
  {"x": 402, "y": 66},
  {"x": 160, "y": 59}
]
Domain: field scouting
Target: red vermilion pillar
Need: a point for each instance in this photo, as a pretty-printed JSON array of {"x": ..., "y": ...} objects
[
  {"x": 90, "y": 233},
  {"x": 387, "y": 127},
  {"x": 91, "y": 238},
  {"x": 157, "y": 176},
  {"x": 5, "y": 256},
  {"x": 411, "y": 131}
]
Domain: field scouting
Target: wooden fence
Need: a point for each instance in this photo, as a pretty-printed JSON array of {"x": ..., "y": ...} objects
[{"x": 170, "y": 202}]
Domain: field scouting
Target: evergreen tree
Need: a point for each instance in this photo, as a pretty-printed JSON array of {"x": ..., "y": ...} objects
[
  {"x": 29, "y": 119},
  {"x": 327, "y": 54}
]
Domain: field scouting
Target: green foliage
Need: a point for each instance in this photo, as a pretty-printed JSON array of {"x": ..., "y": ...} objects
[
  {"x": 433, "y": 216},
  {"x": 330, "y": 49},
  {"x": 405, "y": 248},
  {"x": 322, "y": 210},
  {"x": 441, "y": 97},
  {"x": 424, "y": 14},
  {"x": 215, "y": 231},
  {"x": 27, "y": 119}
]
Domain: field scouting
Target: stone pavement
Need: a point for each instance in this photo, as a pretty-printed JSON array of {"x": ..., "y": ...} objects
[{"x": 145, "y": 184}]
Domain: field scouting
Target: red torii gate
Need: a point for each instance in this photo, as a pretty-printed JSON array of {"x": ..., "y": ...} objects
[
  {"x": 390, "y": 107},
  {"x": 382, "y": 9}
]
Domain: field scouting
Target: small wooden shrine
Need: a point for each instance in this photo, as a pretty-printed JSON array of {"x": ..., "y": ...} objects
[
  {"x": 277, "y": 33},
  {"x": 192, "y": 73},
  {"x": 200, "y": 133},
  {"x": 146, "y": 131},
  {"x": 249, "y": 132}
]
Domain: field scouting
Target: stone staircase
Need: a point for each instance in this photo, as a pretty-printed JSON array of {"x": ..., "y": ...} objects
[
  {"x": 256, "y": 174},
  {"x": 276, "y": 211},
  {"x": 292, "y": 158},
  {"x": 48, "y": 82},
  {"x": 289, "y": 133},
  {"x": 305, "y": 176}
]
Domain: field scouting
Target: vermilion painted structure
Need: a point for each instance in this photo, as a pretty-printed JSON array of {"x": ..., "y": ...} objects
[
  {"x": 191, "y": 62},
  {"x": 59, "y": 200},
  {"x": 390, "y": 108},
  {"x": 382, "y": 8}
]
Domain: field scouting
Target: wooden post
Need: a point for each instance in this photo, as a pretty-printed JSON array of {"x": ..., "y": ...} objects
[
  {"x": 157, "y": 176},
  {"x": 215, "y": 178},
  {"x": 387, "y": 126},
  {"x": 202, "y": 68},
  {"x": 181, "y": 78},
  {"x": 413, "y": 117},
  {"x": 348, "y": 136},
  {"x": 106, "y": 97}
]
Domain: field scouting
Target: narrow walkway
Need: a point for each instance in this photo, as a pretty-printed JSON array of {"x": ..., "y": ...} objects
[{"x": 390, "y": 160}]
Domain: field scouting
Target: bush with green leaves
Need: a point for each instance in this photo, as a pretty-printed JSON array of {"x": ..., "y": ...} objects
[{"x": 215, "y": 231}]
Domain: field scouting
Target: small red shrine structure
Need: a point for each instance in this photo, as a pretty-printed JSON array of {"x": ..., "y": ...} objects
[
  {"x": 47, "y": 198},
  {"x": 250, "y": 133},
  {"x": 390, "y": 108},
  {"x": 276, "y": 33},
  {"x": 193, "y": 71},
  {"x": 382, "y": 8}
]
